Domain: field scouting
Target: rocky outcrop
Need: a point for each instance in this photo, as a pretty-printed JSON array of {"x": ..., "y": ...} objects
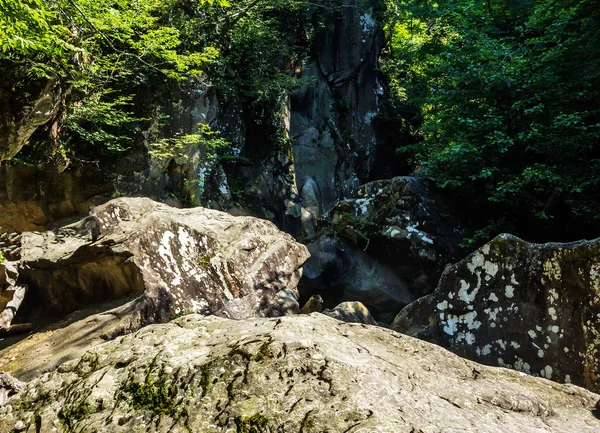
[
  {"x": 20, "y": 120},
  {"x": 388, "y": 247},
  {"x": 399, "y": 223},
  {"x": 33, "y": 198},
  {"x": 172, "y": 260},
  {"x": 303, "y": 373},
  {"x": 331, "y": 122},
  {"x": 531, "y": 307}
]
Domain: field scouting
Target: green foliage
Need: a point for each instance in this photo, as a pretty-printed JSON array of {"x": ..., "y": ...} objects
[
  {"x": 178, "y": 147},
  {"x": 117, "y": 60},
  {"x": 509, "y": 106}
]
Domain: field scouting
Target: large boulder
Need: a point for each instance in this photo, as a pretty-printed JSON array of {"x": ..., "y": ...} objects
[
  {"x": 291, "y": 374},
  {"x": 388, "y": 247},
  {"x": 531, "y": 307},
  {"x": 398, "y": 222},
  {"x": 170, "y": 260}
]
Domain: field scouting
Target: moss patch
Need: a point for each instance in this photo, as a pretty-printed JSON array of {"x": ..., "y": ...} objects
[{"x": 256, "y": 423}]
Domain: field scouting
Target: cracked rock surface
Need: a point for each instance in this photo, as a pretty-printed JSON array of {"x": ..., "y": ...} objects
[{"x": 290, "y": 374}]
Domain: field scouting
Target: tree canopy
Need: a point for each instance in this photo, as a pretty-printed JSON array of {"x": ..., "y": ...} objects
[{"x": 508, "y": 108}]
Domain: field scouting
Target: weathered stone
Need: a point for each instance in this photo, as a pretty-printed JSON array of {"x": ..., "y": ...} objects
[
  {"x": 531, "y": 307},
  {"x": 301, "y": 373},
  {"x": 339, "y": 271},
  {"x": 8, "y": 386},
  {"x": 173, "y": 260},
  {"x": 351, "y": 312},
  {"x": 397, "y": 222},
  {"x": 331, "y": 122},
  {"x": 32, "y": 198}
]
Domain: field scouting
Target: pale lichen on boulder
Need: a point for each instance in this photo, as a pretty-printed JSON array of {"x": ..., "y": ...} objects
[
  {"x": 151, "y": 262},
  {"x": 179, "y": 260},
  {"x": 531, "y": 307},
  {"x": 401, "y": 225},
  {"x": 291, "y": 374}
]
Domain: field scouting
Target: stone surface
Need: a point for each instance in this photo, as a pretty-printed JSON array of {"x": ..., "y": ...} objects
[
  {"x": 303, "y": 373},
  {"x": 386, "y": 248},
  {"x": 351, "y": 312},
  {"x": 33, "y": 198},
  {"x": 331, "y": 122},
  {"x": 339, "y": 271},
  {"x": 398, "y": 222},
  {"x": 531, "y": 307},
  {"x": 173, "y": 260},
  {"x": 8, "y": 386}
]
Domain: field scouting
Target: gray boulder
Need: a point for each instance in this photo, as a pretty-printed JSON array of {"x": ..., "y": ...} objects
[
  {"x": 177, "y": 260},
  {"x": 152, "y": 263},
  {"x": 398, "y": 222},
  {"x": 531, "y": 307},
  {"x": 351, "y": 312},
  {"x": 291, "y": 374}
]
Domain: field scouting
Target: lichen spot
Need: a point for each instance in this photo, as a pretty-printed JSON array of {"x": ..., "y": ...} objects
[
  {"x": 509, "y": 291},
  {"x": 485, "y": 350},
  {"x": 567, "y": 378},
  {"x": 540, "y": 353},
  {"x": 554, "y": 329},
  {"x": 493, "y": 297},
  {"x": 442, "y": 306},
  {"x": 491, "y": 269},
  {"x": 476, "y": 262},
  {"x": 552, "y": 312},
  {"x": 548, "y": 371}
]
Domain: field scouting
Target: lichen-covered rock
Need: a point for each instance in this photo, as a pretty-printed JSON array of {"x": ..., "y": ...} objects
[
  {"x": 531, "y": 307},
  {"x": 389, "y": 247},
  {"x": 351, "y": 312},
  {"x": 400, "y": 223},
  {"x": 300, "y": 373},
  {"x": 8, "y": 386},
  {"x": 173, "y": 260}
]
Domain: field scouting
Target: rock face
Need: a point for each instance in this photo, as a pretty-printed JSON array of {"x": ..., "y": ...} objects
[
  {"x": 401, "y": 225},
  {"x": 20, "y": 119},
  {"x": 388, "y": 248},
  {"x": 531, "y": 307},
  {"x": 172, "y": 260},
  {"x": 302, "y": 373},
  {"x": 331, "y": 122},
  {"x": 32, "y": 198}
]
